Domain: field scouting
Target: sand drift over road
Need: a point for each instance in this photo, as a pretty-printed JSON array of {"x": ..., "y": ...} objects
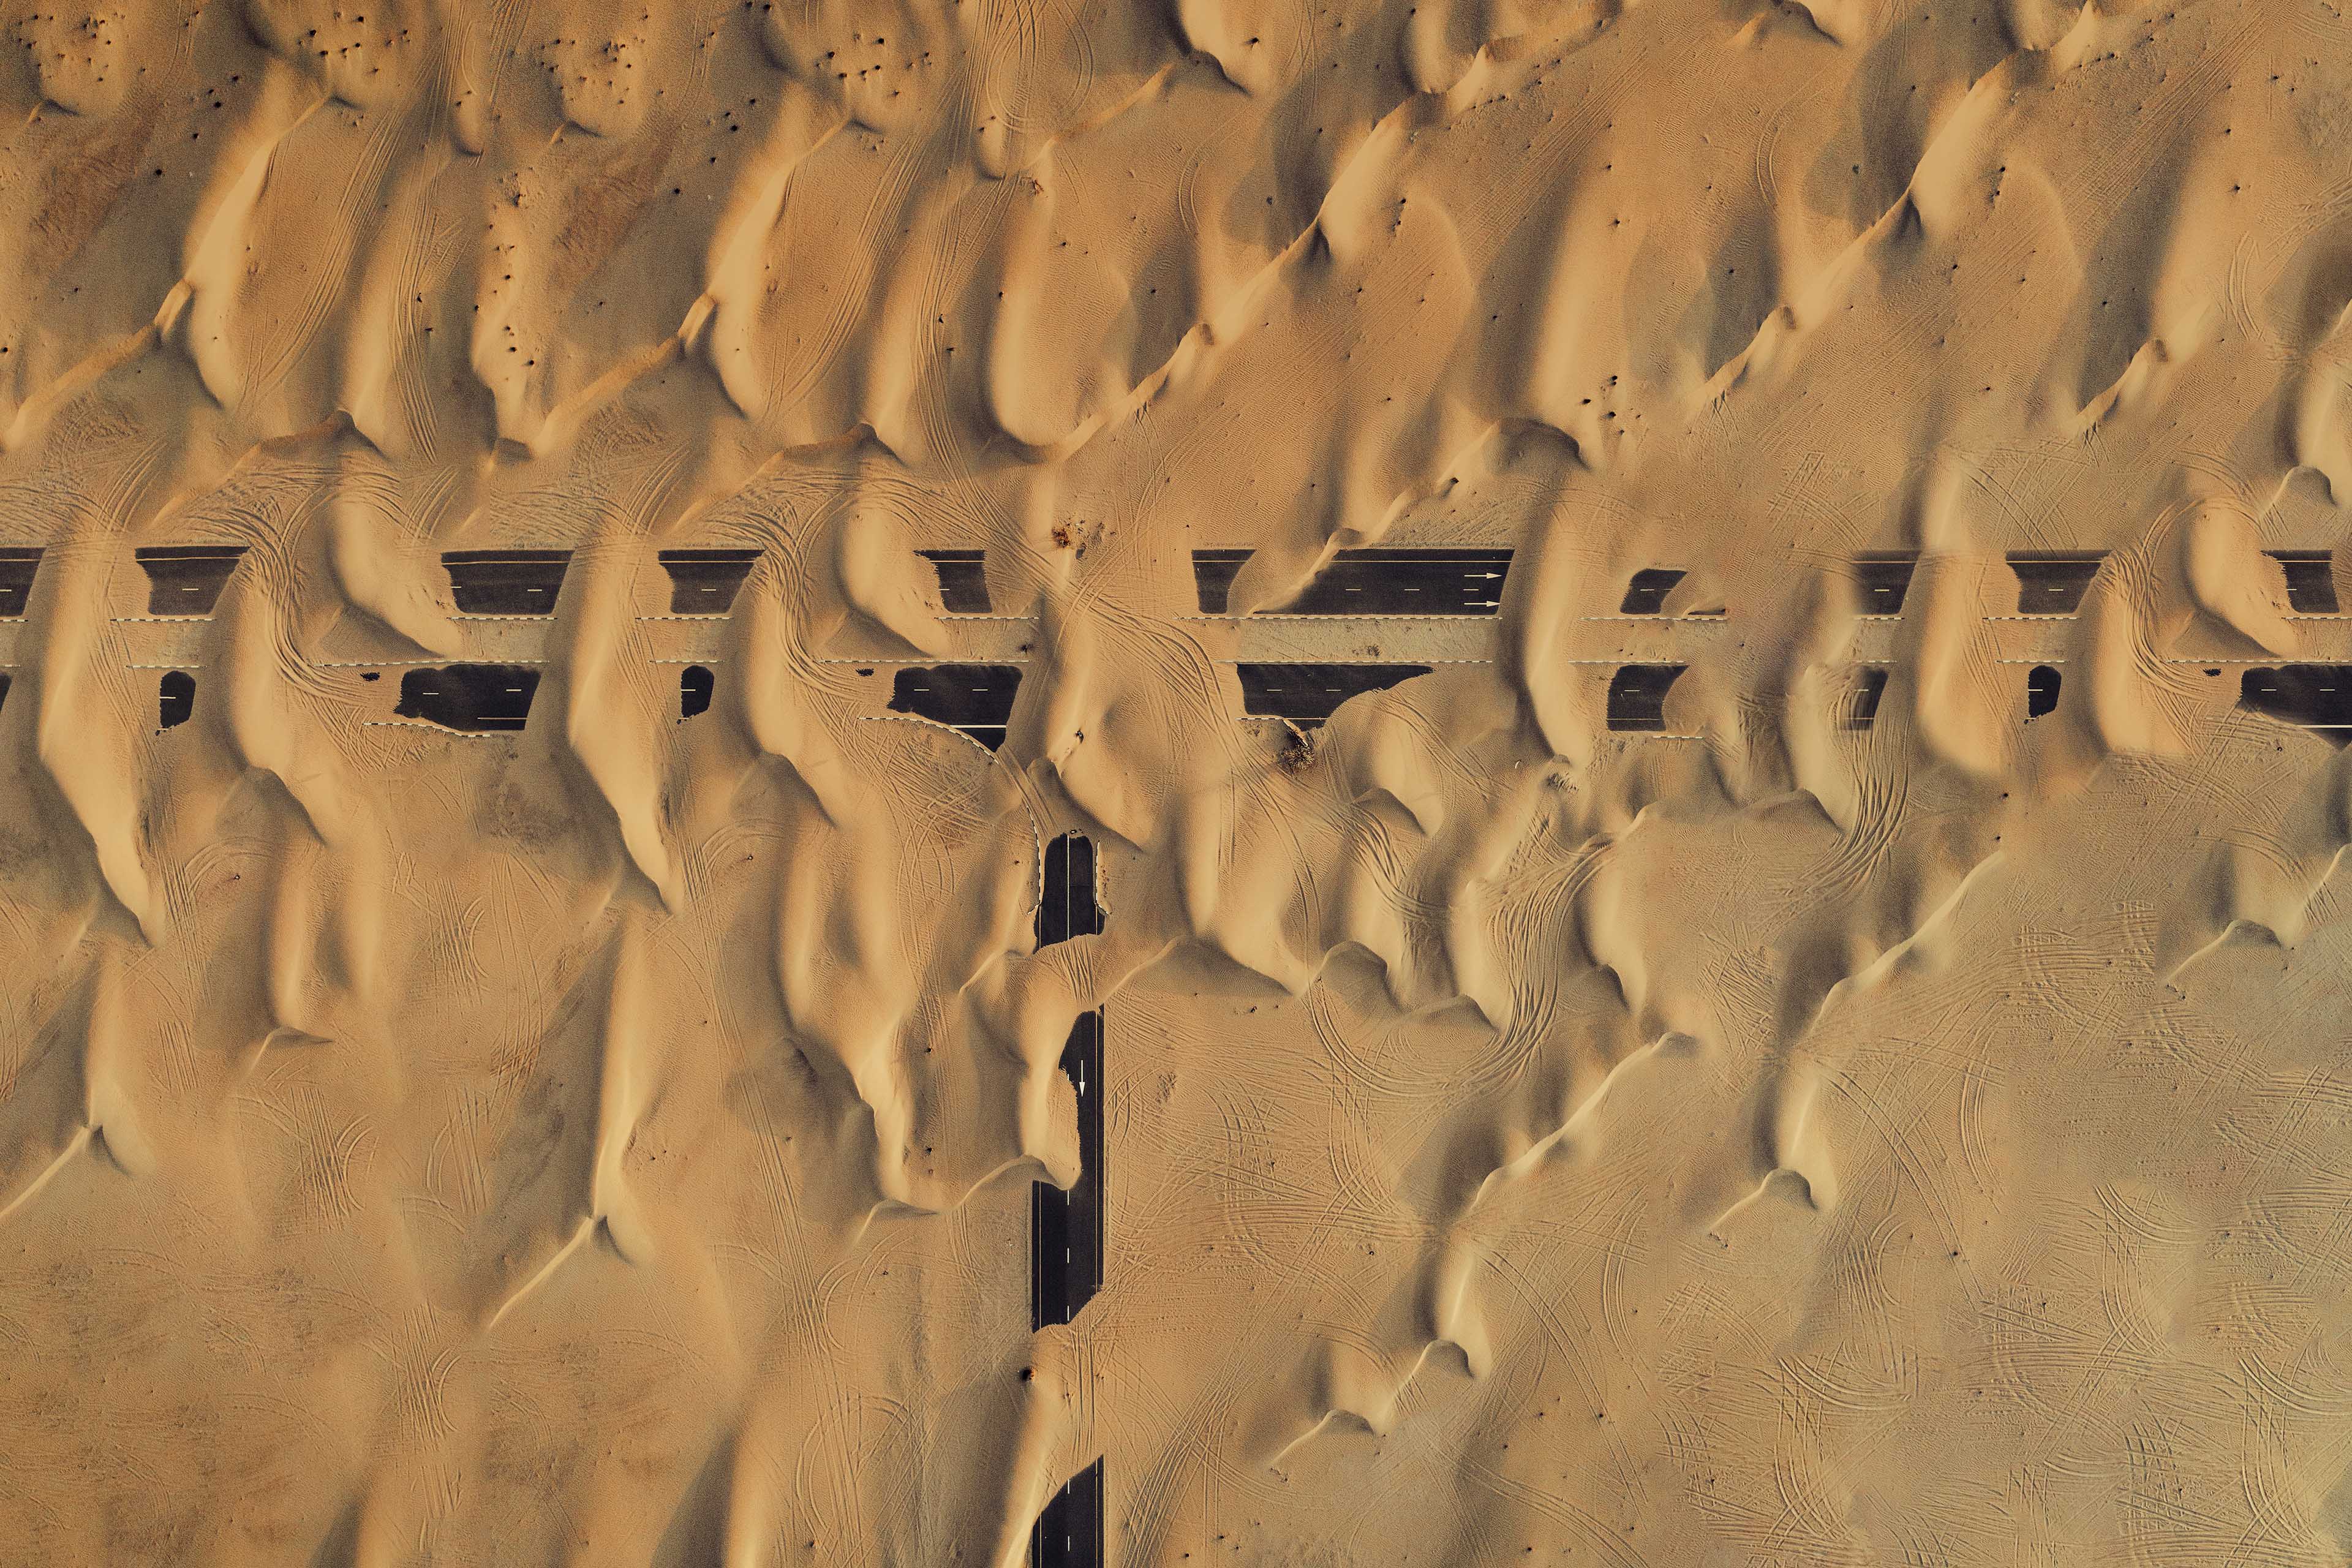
[{"x": 1447, "y": 782}]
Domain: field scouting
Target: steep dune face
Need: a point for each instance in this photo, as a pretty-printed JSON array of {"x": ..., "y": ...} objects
[{"x": 1699, "y": 653}]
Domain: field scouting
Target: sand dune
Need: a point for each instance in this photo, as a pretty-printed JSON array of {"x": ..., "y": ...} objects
[{"x": 1700, "y": 650}]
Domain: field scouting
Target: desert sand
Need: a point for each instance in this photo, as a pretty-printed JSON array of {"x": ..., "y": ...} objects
[{"x": 567, "y": 570}]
